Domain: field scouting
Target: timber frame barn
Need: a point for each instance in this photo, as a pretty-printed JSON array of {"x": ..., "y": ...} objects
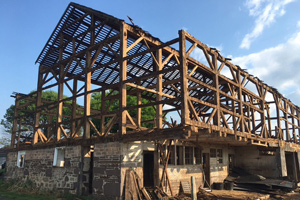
[{"x": 221, "y": 116}]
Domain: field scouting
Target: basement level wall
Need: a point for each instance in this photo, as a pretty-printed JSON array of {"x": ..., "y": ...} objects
[
  {"x": 38, "y": 168},
  {"x": 107, "y": 170},
  {"x": 259, "y": 160},
  {"x": 182, "y": 172},
  {"x": 133, "y": 159}
]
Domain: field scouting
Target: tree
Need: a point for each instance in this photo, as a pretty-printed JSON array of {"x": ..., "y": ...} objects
[
  {"x": 28, "y": 117},
  {"x": 148, "y": 113},
  {"x": 7, "y": 122}
]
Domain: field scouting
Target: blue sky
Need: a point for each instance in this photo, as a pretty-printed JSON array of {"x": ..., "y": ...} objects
[{"x": 262, "y": 36}]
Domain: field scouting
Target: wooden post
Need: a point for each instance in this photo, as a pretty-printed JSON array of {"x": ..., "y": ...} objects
[
  {"x": 156, "y": 166},
  {"x": 50, "y": 121},
  {"x": 139, "y": 110},
  {"x": 278, "y": 114},
  {"x": 269, "y": 120},
  {"x": 287, "y": 131},
  {"x": 234, "y": 122},
  {"x": 293, "y": 122},
  {"x": 74, "y": 107},
  {"x": 159, "y": 90},
  {"x": 38, "y": 104},
  {"x": 102, "y": 121},
  {"x": 123, "y": 77},
  {"x": 19, "y": 133},
  {"x": 15, "y": 123},
  {"x": 183, "y": 78},
  {"x": 253, "y": 120},
  {"x": 298, "y": 123},
  {"x": 60, "y": 91},
  {"x": 217, "y": 117},
  {"x": 87, "y": 96},
  {"x": 193, "y": 188},
  {"x": 239, "y": 77}
]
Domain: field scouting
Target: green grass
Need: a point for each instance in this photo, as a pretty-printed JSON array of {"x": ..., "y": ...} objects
[{"x": 24, "y": 191}]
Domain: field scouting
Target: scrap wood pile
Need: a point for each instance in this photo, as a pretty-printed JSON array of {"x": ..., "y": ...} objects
[
  {"x": 245, "y": 181},
  {"x": 134, "y": 190}
]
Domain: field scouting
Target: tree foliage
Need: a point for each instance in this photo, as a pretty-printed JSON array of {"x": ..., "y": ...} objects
[
  {"x": 28, "y": 115},
  {"x": 147, "y": 113}
]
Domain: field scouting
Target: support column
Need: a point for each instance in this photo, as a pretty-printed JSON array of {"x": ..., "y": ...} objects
[
  {"x": 262, "y": 115},
  {"x": 156, "y": 166},
  {"x": 15, "y": 123},
  {"x": 50, "y": 121},
  {"x": 241, "y": 112},
  {"x": 283, "y": 169},
  {"x": 159, "y": 107},
  {"x": 277, "y": 101},
  {"x": 74, "y": 107},
  {"x": 139, "y": 109},
  {"x": 38, "y": 104},
  {"x": 60, "y": 92},
  {"x": 123, "y": 77},
  {"x": 217, "y": 116},
  {"x": 287, "y": 131},
  {"x": 102, "y": 127},
  {"x": 19, "y": 133},
  {"x": 183, "y": 78},
  {"x": 87, "y": 96}
]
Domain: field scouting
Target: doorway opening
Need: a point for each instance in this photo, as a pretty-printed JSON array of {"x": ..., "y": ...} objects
[
  {"x": 292, "y": 166},
  {"x": 148, "y": 168},
  {"x": 206, "y": 169},
  {"x": 231, "y": 162},
  {"x": 91, "y": 174}
]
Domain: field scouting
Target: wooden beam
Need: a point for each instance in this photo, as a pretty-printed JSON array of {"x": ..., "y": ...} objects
[
  {"x": 159, "y": 85},
  {"x": 183, "y": 78},
  {"x": 216, "y": 113},
  {"x": 123, "y": 77},
  {"x": 87, "y": 96}
]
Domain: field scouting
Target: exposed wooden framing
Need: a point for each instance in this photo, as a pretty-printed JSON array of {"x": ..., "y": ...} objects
[{"x": 203, "y": 96}]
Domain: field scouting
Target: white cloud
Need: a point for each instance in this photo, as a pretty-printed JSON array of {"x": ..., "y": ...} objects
[
  {"x": 265, "y": 13},
  {"x": 277, "y": 66}
]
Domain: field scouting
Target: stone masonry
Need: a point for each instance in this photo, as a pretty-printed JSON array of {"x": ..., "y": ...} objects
[
  {"x": 107, "y": 170},
  {"x": 38, "y": 167}
]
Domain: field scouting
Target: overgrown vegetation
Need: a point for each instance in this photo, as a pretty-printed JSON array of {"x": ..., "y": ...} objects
[{"x": 19, "y": 190}]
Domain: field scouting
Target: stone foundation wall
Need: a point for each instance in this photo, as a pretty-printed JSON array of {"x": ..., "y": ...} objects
[
  {"x": 107, "y": 170},
  {"x": 249, "y": 158},
  {"x": 182, "y": 173},
  {"x": 38, "y": 167}
]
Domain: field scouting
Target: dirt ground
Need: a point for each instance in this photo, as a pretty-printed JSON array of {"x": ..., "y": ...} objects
[{"x": 242, "y": 195}]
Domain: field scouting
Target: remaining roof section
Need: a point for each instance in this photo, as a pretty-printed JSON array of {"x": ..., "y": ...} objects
[
  {"x": 76, "y": 25},
  {"x": 75, "y": 21}
]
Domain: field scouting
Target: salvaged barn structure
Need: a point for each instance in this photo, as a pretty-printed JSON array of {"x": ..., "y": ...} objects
[{"x": 210, "y": 115}]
